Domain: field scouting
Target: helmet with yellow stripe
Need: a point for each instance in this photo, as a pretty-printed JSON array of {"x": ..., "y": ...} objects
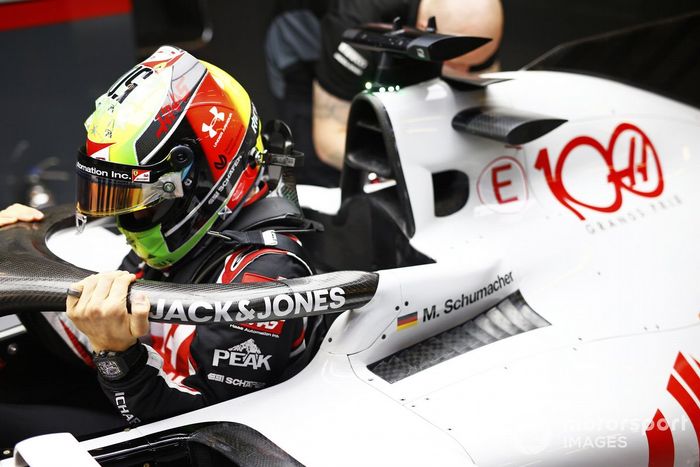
[{"x": 173, "y": 147}]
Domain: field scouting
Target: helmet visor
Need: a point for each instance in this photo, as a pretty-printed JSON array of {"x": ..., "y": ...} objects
[{"x": 108, "y": 189}]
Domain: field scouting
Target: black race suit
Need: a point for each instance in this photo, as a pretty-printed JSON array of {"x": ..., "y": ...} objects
[{"x": 186, "y": 367}]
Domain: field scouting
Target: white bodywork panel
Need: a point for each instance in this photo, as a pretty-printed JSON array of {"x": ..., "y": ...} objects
[
  {"x": 618, "y": 286},
  {"x": 54, "y": 450},
  {"x": 92, "y": 242}
]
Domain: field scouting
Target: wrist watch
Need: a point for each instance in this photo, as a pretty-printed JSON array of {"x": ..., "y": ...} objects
[{"x": 114, "y": 366}]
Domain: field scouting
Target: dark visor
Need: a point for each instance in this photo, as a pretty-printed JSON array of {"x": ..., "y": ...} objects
[{"x": 107, "y": 189}]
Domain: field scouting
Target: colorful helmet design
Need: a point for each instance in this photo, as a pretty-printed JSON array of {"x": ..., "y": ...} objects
[{"x": 172, "y": 147}]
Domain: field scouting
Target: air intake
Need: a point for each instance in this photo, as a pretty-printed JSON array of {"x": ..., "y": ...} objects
[
  {"x": 370, "y": 150},
  {"x": 510, "y": 317}
]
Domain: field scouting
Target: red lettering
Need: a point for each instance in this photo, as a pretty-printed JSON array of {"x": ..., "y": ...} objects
[
  {"x": 166, "y": 117},
  {"x": 618, "y": 180},
  {"x": 498, "y": 184},
  {"x": 163, "y": 128}
]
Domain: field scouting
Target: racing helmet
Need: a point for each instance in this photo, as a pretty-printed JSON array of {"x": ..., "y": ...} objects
[{"x": 172, "y": 147}]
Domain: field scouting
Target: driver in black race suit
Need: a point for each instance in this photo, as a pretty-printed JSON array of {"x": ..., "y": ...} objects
[{"x": 174, "y": 151}]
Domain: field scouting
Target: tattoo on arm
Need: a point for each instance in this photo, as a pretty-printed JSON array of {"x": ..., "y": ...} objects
[
  {"x": 328, "y": 110},
  {"x": 328, "y": 107},
  {"x": 330, "y": 119}
]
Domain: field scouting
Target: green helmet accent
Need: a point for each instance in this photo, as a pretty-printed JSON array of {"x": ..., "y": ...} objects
[{"x": 150, "y": 245}]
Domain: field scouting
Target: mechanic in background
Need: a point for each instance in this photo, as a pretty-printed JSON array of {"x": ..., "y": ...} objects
[{"x": 304, "y": 45}]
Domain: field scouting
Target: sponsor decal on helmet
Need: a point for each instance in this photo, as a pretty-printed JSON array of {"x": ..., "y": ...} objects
[
  {"x": 246, "y": 354},
  {"x": 281, "y": 306},
  {"x": 138, "y": 175},
  {"x": 115, "y": 174},
  {"x": 217, "y": 116},
  {"x": 92, "y": 170},
  {"x": 220, "y": 164},
  {"x": 224, "y": 182},
  {"x": 210, "y": 129}
]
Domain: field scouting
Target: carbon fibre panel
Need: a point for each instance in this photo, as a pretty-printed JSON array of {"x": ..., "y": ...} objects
[
  {"x": 32, "y": 279},
  {"x": 510, "y": 317},
  {"x": 505, "y": 125}
]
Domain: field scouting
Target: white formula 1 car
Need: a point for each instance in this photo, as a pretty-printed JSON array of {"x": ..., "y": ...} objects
[{"x": 536, "y": 242}]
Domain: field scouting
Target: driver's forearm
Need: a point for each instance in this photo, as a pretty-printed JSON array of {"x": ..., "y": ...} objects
[{"x": 147, "y": 393}]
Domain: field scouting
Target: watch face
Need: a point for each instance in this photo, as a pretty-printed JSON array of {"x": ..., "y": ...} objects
[{"x": 108, "y": 368}]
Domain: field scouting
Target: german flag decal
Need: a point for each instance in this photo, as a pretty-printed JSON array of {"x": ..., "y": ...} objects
[{"x": 406, "y": 321}]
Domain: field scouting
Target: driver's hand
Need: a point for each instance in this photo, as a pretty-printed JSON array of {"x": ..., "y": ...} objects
[
  {"x": 19, "y": 213},
  {"x": 100, "y": 312}
]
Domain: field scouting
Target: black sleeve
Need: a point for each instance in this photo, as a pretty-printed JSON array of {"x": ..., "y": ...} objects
[
  {"x": 229, "y": 360},
  {"x": 343, "y": 70}
]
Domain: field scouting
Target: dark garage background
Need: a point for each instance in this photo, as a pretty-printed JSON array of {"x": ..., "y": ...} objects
[{"x": 53, "y": 71}]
